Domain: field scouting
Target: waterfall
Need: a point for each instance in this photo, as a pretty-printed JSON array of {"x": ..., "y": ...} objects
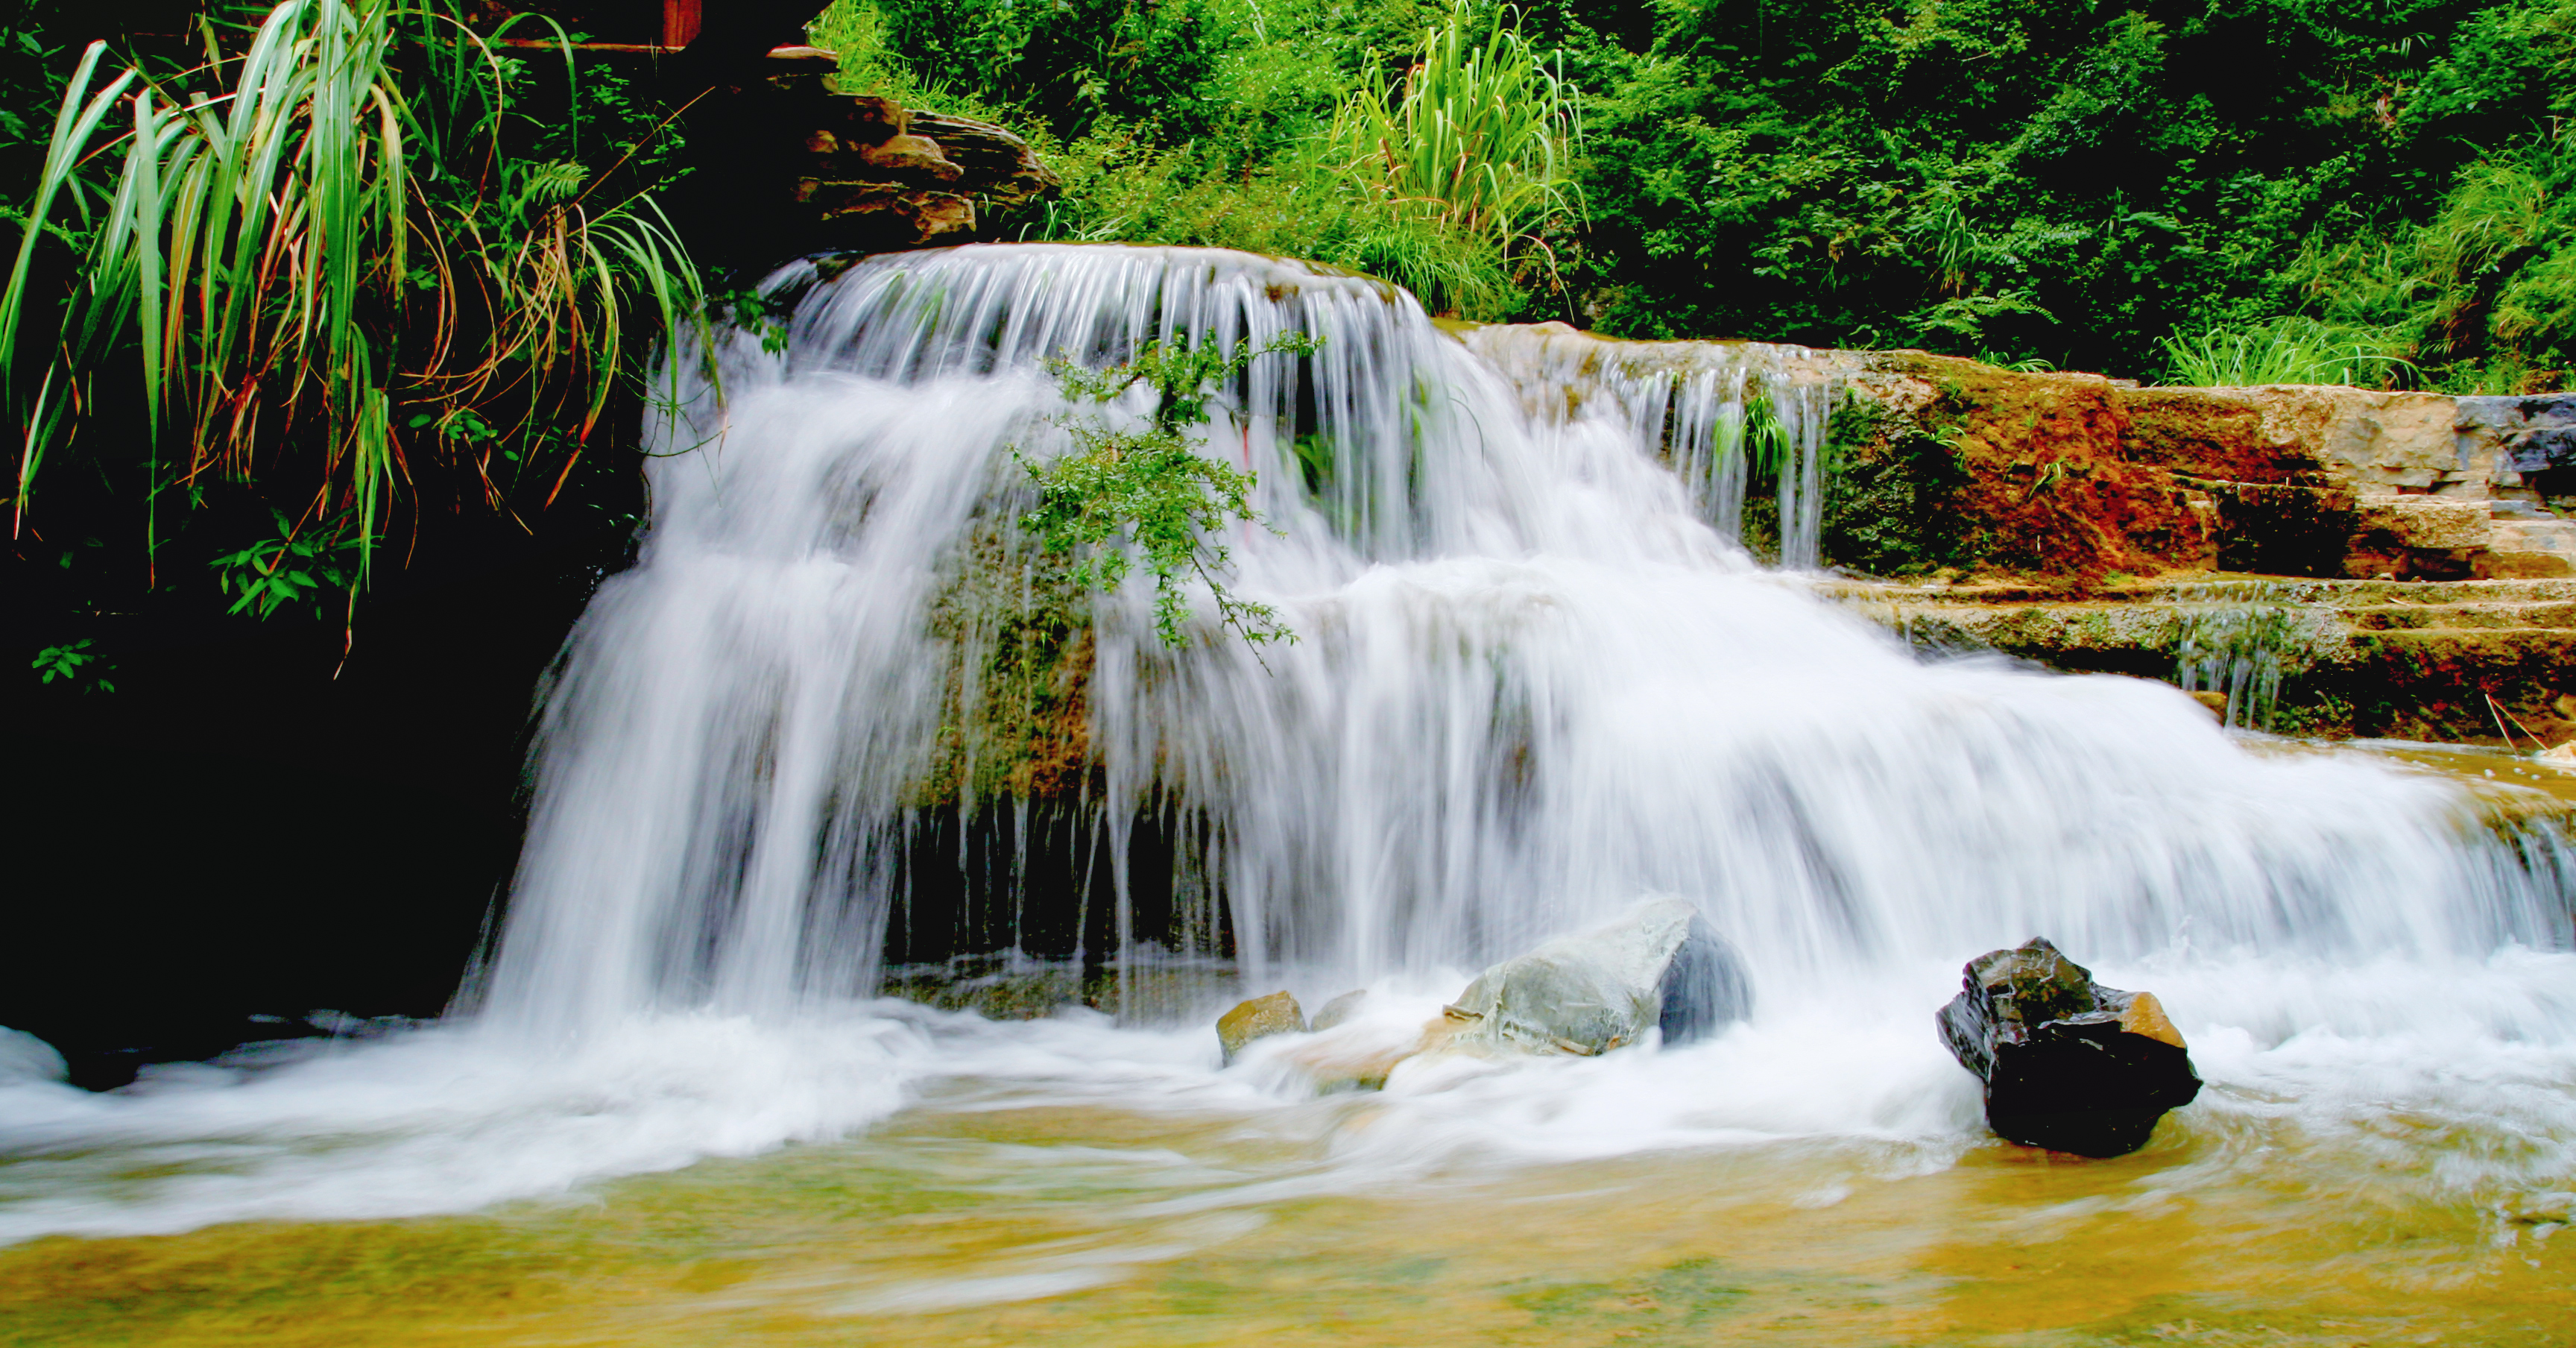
[{"x": 1533, "y": 675}]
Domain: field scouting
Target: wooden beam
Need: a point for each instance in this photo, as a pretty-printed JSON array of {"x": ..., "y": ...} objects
[{"x": 679, "y": 22}]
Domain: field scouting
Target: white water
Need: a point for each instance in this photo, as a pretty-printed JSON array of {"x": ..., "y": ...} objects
[{"x": 1533, "y": 680}]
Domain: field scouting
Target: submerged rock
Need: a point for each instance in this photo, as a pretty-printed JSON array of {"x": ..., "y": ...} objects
[
  {"x": 1338, "y": 1010},
  {"x": 2068, "y": 1064},
  {"x": 1359, "y": 1057},
  {"x": 1259, "y": 1018},
  {"x": 1658, "y": 965}
]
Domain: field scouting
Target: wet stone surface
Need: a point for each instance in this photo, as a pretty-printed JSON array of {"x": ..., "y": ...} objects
[{"x": 2068, "y": 1064}]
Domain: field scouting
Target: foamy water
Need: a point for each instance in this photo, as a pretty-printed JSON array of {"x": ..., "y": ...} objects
[{"x": 1533, "y": 681}]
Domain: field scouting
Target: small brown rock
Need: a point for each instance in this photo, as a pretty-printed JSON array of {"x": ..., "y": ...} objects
[
  {"x": 938, "y": 214},
  {"x": 868, "y": 119},
  {"x": 1259, "y": 1018}
]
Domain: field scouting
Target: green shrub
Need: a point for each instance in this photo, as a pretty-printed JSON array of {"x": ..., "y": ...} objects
[{"x": 1150, "y": 490}]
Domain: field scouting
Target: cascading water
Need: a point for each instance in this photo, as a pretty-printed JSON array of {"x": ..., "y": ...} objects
[
  {"x": 1698, "y": 402},
  {"x": 1529, "y": 684},
  {"x": 1532, "y": 680}
]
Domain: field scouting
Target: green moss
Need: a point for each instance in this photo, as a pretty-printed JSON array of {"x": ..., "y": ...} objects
[
  {"x": 1014, "y": 720},
  {"x": 1892, "y": 494}
]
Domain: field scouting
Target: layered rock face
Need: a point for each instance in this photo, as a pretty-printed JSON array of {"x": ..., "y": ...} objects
[
  {"x": 876, "y": 177},
  {"x": 2068, "y": 1064},
  {"x": 2466, "y": 661},
  {"x": 787, "y": 165},
  {"x": 2082, "y": 475}
]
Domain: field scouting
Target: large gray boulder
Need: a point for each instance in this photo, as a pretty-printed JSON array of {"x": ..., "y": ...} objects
[{"x": 1657, "y": 965}]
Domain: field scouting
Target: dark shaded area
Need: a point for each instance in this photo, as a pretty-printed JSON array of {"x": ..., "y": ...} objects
[
  {"x": 2295, "y": 529},
  {"x": 235, "y": 838},
  {"x": 1039, "y": 877}
]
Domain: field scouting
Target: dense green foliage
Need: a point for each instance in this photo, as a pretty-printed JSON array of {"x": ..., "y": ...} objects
[
  {"x": 1240, "y": 124},
  {"x": 2076, "y": 185},
  {"x": 1148, "y": 489},
  {"x": 274, "y": 306},
  {"x": 2092, "y": 187}
]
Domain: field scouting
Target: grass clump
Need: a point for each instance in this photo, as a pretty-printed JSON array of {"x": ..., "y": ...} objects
[
  {"x": 2285, "y": 351},
  {"x": 355, "y": 262},
  {"x": 1475, "y": 135}
]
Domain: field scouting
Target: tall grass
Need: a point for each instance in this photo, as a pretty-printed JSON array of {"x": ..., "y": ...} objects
[
  {"x": 2481, "y": 295},
  {"x": 2284, "y": 351},
  {"x": 331, "y": 273},
  {"x": 1120, "y": 187},
  {"x": 1475, "y": 136}
]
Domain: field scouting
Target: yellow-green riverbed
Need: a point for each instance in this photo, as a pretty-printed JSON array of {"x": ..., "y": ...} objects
[{"x": 984, "y": 1225}]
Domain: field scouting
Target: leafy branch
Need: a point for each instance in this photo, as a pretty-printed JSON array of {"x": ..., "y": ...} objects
[
  {"x": 289, "y": 569},
  {"x": 76, "y": 665},
  {"x": 1123, "y": 493}
]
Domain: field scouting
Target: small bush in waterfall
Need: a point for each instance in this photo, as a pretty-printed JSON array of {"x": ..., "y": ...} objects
[{"x": 1151, "y": 490}]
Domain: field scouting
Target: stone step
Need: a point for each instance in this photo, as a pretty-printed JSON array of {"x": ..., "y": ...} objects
[
  {"x": 2418, "y": 617},
  {"x": 2350, "y": 595}
]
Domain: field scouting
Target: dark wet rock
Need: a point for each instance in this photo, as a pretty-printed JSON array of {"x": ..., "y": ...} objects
[
  {"x": 1259, "y": 1018},
  {"x": 2536, "y": 434},
  {"x": 1704, "y": 988},
  {"x": 2068, "y": 1064},
  {"x": 1658, "y": 965},
  {"x": 995, "y": 988}
]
